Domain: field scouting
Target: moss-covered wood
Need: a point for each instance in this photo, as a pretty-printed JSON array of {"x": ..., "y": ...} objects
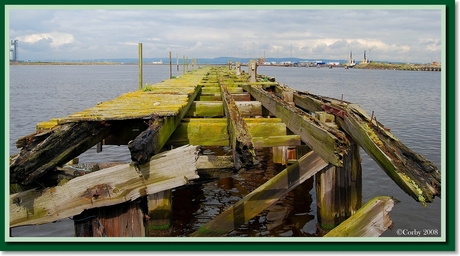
[
  {"x": 411, "y": 172},
  {"x": 203, "y": 132},
  {"x": 152, "y": 140},
  {"x": 262, "y": 197},
  {"x": 276, "y": 141},
  {"x": 240, "y": 136},
  {"x": 206, "y": 109},
  {"x": 328, "y": 142},
  {"x": 371, "y": 220}
]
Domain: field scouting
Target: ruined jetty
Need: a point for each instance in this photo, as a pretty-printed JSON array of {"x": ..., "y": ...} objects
[{"x": 166, "y": 126}]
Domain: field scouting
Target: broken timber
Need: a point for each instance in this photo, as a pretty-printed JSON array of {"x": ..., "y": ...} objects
[
  {"x": 414, "y": 174},
  {"x": 240, "y": 136},
  {"x": 56, "y": 147},
  {"x": 371, "y": 220},
  {"x": 60, "y": 140},
  {"x": 262, "y": 197},
  {"x": 111, "y": 186},
  {"x": 331, "y": 144}
]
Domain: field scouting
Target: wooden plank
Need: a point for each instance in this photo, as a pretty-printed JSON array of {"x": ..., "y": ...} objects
[
  {"x": 328, "y": 142},
  {"x": 214, "y": 162},
  {"x": 111, "y": 186},
  {"x": 262, "y": 197},
  {"x": 276, "y": 141},
  {"x": 46, "y": 150},
  {"x": 371, "y": 220}
]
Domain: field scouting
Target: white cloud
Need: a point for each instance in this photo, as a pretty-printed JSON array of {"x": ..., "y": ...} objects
[{"x": 58, "y": 39}]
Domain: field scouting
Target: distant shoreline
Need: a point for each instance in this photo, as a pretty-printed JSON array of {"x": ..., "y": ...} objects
[{"x": 372, "y": 65}]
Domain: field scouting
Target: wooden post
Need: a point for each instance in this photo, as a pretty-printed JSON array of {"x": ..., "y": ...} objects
[
  {"x": 177, "y": 64},
  {"x": 186, "y": 63},
  {"x": 123, "y": 220},
  {"x": 140, "y": 66},
  {"x": 339, "y": 190},
  {"x": 183, "y": 64},
  {"x": 170, "y": 66},
  {"x": 252, "y": 70},
  {"x": 238, "y": 68},
  {"x": 160, "y": 212}
]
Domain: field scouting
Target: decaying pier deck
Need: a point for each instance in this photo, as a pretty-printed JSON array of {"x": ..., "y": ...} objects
[{"x": 210, "y": 106}]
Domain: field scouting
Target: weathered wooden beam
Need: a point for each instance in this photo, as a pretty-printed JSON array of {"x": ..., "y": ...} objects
[
  {"x": 249, "y": 108},
  {"x": 202, "y": 131},
  {"x": 214, "y": 162},
  {"x": 152, "y": 140},
  {"x": 216, "y": 89},
  {"x": 206, "y": 109},
  {"x": 240, "y": 136},
  {"x": 328, "y": 142},
  {"x": 111, "y": 186},
  {"x": 414, "y": 174},
  {"x": 215, "y": 109},
  {"x": 46, "y": 150},
  {"x": 241, "y": 96},
  {"x": 371, "y": 220},
  {"x": 262, "y": 197},
  {"x": 209, "y": 97},
  {"x": 276, "y": 141}
]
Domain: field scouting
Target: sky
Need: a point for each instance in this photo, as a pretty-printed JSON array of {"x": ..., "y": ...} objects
[{"x": 108, "y": 32}]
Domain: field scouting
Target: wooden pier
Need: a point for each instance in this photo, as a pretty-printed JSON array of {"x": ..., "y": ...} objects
[{"x": 167, "y": 125}]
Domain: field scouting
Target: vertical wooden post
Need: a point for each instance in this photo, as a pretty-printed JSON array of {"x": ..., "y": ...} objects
[
  {"x": 123, "y": 220},
  {"x": 160, "y": 211},
  {"x": 339, "y": 190},
  {"x": 170, "y": 66},
  {"x": 183, "y": 64},
  {"x": 140, "y": 66},
  {"x": 186, "y": 64},
  {"x": 252, "y": 69},
  {"x": 177, "y": 63},
  {"x": 280, "y": 155},
  {"x": 238, "y": 68}
]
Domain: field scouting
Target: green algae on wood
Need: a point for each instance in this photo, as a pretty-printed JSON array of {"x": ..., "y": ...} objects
[{"x": 371, "y": 220}]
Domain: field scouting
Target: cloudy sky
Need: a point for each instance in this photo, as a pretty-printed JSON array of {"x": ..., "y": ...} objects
[{"x": 409, "y": 35}]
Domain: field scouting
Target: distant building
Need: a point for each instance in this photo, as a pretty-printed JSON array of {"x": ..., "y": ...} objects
[{"x": 14, "y": 50}]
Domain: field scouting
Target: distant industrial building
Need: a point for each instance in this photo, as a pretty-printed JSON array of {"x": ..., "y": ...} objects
[{"x": 14, "y": 50}]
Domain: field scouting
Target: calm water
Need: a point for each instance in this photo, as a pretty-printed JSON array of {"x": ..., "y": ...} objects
[{"x": 407, "y": 102}]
